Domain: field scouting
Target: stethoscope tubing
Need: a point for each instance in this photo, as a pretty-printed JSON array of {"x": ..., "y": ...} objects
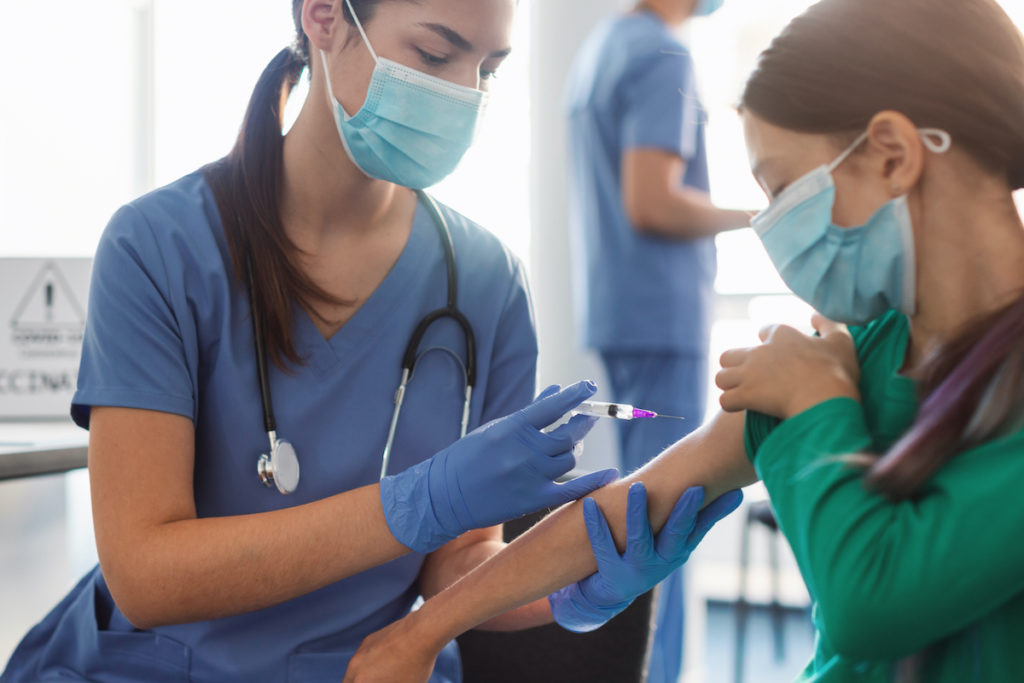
[{"x": 449, "y": 311}]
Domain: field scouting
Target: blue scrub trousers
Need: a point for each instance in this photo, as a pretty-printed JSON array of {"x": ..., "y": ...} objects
[{"x": 671, "y": 384}]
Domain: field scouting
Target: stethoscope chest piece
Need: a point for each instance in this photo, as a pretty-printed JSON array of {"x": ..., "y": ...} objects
[{"x": 280, "y": 468}]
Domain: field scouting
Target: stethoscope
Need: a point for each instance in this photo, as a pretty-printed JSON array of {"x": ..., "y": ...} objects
[{"x": 280, "y": 467}]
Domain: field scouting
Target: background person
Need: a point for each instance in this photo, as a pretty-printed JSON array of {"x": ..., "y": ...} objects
[{"x": 643, "y": 229}]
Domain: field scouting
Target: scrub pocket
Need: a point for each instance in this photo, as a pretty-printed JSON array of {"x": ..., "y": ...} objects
[{"x": 82, "y": 648}]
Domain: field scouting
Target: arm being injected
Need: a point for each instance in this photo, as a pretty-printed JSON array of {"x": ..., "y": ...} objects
[{"x": 553, "y": 554}]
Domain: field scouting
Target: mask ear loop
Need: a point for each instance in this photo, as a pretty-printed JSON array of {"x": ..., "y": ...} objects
[
  {"x": 940, "y": 146},
  {"x": 936, "y": 140},
  {"x": 366, "y": 41},
  {"x": 327, "y": 76},
  {"x": 849, "y": 150},
  {"x": 359, "y": 25}
]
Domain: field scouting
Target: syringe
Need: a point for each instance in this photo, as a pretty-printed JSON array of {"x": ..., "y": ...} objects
[{"x": 619, "y": 411}]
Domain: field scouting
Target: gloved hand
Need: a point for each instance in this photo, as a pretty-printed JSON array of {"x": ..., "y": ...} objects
[
  {"x": 586, "y": 605},
  {"x": 501, "y": 471}
]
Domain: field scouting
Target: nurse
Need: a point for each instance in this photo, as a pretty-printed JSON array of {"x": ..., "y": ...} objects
[
  {"x": 893, "y": 450},
  {"x": 311, "y": 253}
]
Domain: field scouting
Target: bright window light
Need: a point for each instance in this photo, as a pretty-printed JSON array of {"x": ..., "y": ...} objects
[
  {"x": 491, "y": 186},
  {"x": 138, "y": 93}
]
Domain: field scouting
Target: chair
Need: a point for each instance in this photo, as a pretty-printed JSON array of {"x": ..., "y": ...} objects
[
  {"x": 759, "y": 513},
  {"x": 550, "y": 654}
]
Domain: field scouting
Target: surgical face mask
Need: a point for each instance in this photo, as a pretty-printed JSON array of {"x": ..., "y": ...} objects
[
  {"x": 413, "y": 128},
  {"x": 851, "y": 275},
  {"x": 706, "y": 7}
]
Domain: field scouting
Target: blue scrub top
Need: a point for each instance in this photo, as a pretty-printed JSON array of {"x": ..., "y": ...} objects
[
  {"x": 633, "y": 87},
  {"x": 169, "y": 330}
]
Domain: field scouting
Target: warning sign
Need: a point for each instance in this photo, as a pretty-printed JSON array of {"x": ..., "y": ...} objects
[{"x": 43, "y": 301}]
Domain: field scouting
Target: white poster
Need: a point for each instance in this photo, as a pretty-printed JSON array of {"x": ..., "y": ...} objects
[{"x": 42, "y": 306}]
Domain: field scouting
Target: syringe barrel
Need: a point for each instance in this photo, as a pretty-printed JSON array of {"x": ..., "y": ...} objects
[{"x": 618, "y": 411}]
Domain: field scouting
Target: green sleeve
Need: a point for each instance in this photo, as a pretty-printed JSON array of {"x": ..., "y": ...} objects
[
  {"x": 890, "y": 578},
  {"x": 758, "y": 426}
]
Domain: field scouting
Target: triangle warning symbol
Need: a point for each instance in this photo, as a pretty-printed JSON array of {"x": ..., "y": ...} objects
[{"x": 49, "y": 302}]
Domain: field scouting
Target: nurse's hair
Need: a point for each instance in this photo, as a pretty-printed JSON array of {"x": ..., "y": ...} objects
[
  {"x": 247, "y": 184},
  {"x": 957, "y": 65}
]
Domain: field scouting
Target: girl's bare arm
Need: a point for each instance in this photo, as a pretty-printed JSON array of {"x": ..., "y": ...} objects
[{"x": 554, "y": 553}]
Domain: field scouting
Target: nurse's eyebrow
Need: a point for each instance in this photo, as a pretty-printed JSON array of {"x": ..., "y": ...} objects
[
  {"x": 450, "y": 35},
  {"x": 458, "y": 41}
]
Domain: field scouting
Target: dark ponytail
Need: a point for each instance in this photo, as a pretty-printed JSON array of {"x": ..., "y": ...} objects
[
  {"x": 247, "y": 185},
  {"x": 957, "y": 65}
]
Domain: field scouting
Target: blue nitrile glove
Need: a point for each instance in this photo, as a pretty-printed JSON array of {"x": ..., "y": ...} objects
[
  {"x": 586, "y": 605},
  {"x": 505, "y": 469}
]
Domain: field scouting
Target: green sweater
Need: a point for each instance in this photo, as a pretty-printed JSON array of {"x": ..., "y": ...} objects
[{"x": 945, "y": 572}]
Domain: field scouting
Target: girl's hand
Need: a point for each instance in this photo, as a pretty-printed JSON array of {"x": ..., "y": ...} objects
[
  {"x": 790, "y": 372},
  {"x": 394, "y": 654}
]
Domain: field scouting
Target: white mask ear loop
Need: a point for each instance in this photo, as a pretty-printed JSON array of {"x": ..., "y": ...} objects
[
  {"x": 366, "y": 41},
  {"x": 849, "y": 150},
  {"x": 323, "y": 57},
  {"x": 936, "y": 140},
  {"x": 327, "y": 76},
  {"x": 359, "y": 25}
]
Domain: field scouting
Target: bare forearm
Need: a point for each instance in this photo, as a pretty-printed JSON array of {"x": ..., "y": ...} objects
[
  {"x": 685, "y": 213},
  {"x": 536, "y": 613},
  {"x": 447, "y": 565},
  {"x": 658, "y": 202},
  {"x": 451, "y": 562},
  {"x": 557, "y": 552},
  {"x": 198, "y": 569}
]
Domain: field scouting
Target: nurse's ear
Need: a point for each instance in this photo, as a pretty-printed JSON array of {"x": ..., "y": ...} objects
[
  {"x": 323, "y": 23},
  {"x": 896, "y": 153}
]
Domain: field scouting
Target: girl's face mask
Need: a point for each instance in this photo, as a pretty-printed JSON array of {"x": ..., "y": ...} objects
[{"x": 851, "y": 275}]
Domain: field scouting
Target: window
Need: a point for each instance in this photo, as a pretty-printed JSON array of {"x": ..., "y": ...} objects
[
  {"x": 68, "y": 123},
  {"x": 491, "y": 186},
  {"x": 140, "y": 92}
]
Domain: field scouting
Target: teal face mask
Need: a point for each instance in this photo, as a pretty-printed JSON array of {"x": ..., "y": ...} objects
[
  {"x": 413, "y": 128},
  {"x": 706, "y": 7},
  {"x": 851, "y": 275}
]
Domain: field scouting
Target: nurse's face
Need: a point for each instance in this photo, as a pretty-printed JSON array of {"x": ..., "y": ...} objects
[
  {"x": 780, "y": 157},
  {"x": 462, "y": 41}
]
